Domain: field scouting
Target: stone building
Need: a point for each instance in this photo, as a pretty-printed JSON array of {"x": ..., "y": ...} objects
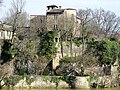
[
  {"x": 23, "y": 33},
  {"x": 63, "y": 20},
  {"x": 56, "y": 18},
  {"x": 37, "y": 24},
  {"x": 5, "y": 31}
]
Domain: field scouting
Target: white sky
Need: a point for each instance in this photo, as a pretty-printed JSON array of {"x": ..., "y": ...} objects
[{"x": 38, "y": 7}]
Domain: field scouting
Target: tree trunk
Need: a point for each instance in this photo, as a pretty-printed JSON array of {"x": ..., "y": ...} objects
[
  {"x": 71, "y": 53},
  {"x": 61, "y": 45}
]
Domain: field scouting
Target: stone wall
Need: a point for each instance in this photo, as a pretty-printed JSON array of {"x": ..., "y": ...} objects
[
  {"x": 66, "y": 52},
  {"x": 63, "y": 82}
]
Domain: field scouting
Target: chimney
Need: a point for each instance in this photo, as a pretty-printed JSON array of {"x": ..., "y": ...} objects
[{"x": 60, "y": 7}]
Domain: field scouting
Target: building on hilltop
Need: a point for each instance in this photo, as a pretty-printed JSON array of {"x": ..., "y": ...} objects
[
  {"x": 63, "y": 20},
  {"x": 56, "y": 18}
]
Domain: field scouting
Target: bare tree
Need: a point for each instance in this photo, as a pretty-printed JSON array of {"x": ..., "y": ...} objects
[
  {"x": 1, "y": 1},
  {"x": 66, "y": 27},
  {"x": 115, "y": 28},
  {"x": 106, "y": 21},
  {"x": 98, "y": 19},
  {"x": 37, "y": 25},
  {"x": 17, "y": 9},
  {"x": 16, "y": 17},
  {"x": 85, "y": 17},
  {"x": 70, "y": 28},
  {"x": 62, "y": 32},
  {"x": 22, "y": 20}
]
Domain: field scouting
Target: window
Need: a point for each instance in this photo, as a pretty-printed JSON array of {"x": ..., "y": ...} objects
[
  {"x": 55, "y": 26},
  {"x": 56, "y": 39},
  {"x": 55, "y": 17},
  {"x": 41, "y": 20},
  {"x": 2, "y": 34}
]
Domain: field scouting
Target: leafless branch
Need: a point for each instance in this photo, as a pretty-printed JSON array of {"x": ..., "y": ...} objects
[{"x": 1, "y": 1}]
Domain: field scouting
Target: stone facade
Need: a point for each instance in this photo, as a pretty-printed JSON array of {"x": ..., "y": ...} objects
[
  {"x": 63, "y": 20},
  {"x": 37, "y": 24},
  {"x": 5, "y": 31},
  {"x": 42, "y": 82},
  {"x": 56, "y": 18},
  {"x": 22, "y": 33}
]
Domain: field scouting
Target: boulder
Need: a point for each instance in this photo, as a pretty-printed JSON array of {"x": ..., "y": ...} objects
[{"x": 82, "y": 82}]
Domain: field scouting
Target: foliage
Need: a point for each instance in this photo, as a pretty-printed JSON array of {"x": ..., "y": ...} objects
[
  {"x": 119, "y": 65},
  {"x": 92, "y": 78},
  {"x": 29, "y": 79},
  {"x": 26, "y": 56},
  {"x": 7, "y": 51},
  {"x": 48, "y": 69},
  {"x": 70, "y": 80},
  {"x": 12, "y": 80},
  {"x": 67, "y": 60},
  {"x": 47, "y": 45},
  {"x": 55, "y": 80},
  {"x": 22, "y": 70},
  {"x": 78, "y": 42},
  {"x": 107, "y": 51},
  {"x": 89, "y": 59},
  {"x": 21, "y": 37}
]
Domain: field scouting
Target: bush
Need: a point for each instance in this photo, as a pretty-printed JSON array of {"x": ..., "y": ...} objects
[
  {"x": 47, "y": 47},
  {"x": 70, "y": 80},
  {"x": 106, "y": 50}
]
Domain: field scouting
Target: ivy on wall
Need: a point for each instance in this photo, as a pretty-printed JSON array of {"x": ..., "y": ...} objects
[{"x": 47, "y": 45}]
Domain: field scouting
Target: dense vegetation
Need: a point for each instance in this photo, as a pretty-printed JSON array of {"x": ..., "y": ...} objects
[
  {"x": 99, "y": 32},
  {"x": 47, "y": 47},
  {"x": 107, "y": 51},
  {"x": 7, "y": 51}
]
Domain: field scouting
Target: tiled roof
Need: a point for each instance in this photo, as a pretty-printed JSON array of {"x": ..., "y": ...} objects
[
  {"x": 52, "y": 6},
  {"x": 70, "y": 9},
  {"x": 55, "y": 11}
]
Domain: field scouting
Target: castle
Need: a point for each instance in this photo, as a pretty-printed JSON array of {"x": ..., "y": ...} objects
[
  {"x": 63, "y": 20},
  {"x": 56, "y": 18}
]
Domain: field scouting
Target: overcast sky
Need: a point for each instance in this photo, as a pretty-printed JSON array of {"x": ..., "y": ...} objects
[{"x": 38, "y": 7}]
